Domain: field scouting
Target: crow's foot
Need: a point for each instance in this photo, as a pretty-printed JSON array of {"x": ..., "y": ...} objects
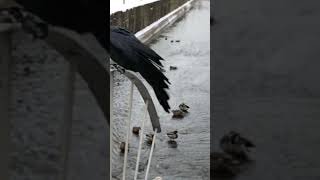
[{"x": 119, "y": 68}]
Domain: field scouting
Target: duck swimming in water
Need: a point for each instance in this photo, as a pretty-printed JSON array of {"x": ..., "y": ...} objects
[
  {"x": 122, "y": 147},
  {"x": 173, "y": 135},
  {"x": 223, "y": 166},
  {"x": 173, "y": 67},
  {"x": 183, "y": 107},
  {"x": 178, "y": 114},
  {"x": 136, "y": 130},
  {"x": 236, "y": 145},
  {"x": 149, "y": 138}
]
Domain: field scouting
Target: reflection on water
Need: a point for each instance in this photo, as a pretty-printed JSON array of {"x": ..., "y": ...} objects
[{"x": 187, "y": 46}]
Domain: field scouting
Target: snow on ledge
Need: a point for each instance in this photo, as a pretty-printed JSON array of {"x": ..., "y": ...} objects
[{"x": 117, "y": 5}]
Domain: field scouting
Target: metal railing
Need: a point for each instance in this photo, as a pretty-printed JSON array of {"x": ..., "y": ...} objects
[
  {"x": 149, "y": 108},
  {"x": 82, "y": 60}
]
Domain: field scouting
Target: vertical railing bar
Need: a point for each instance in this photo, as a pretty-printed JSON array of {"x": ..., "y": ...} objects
[
  {"x": 67, "y": 120},
  {"x": 151, "y": 152},
  {"x": 128, "y": 132},
  {"x": 5, "y": 61},
  {"x": 111, "y": 122},
  {"x": 141, "y": 138}
]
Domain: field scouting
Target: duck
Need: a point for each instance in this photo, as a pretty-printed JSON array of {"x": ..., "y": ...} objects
[
  {"x": 173, "y": 135},
  {"x": 235, "y": 145},
  {"x": 177, "y": 114},
  {"x": 123, "y": 147},
  {"x": 149, "y": 138},
  {"x": 136, "y": 130},
  {"x": 183, "y": 107},
  {"x": 223, "y": 166},
  {"x": 173, "y": 68}
]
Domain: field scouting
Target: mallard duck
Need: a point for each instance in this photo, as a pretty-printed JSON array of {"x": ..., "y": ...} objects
[
  {"x": 183, "y": 107},
  {"x": 136, "y": 130},
  {"x": 177, "y": 114},
  {"x": 173, "y": 68},
  {"x": 236, "y": 145},
  {"x": 122, "y": 147},
  {"x": 149, "y": 138},
  {"x": 173, "y": 135},
  {"x": 223, "y": 166}
]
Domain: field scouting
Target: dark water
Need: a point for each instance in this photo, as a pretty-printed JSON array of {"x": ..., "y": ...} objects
[
  {"x": 266, "y": 84},
  {"x": 190, "y": 84}
]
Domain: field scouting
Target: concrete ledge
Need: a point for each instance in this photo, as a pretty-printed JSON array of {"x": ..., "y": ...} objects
[{"x": 150, "y": 32}]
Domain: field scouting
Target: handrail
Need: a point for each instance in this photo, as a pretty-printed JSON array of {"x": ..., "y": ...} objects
[{"x": 144, "y": 92}]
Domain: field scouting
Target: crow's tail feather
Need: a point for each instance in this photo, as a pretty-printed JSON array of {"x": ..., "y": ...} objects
[{"x": 158, "y": 81}]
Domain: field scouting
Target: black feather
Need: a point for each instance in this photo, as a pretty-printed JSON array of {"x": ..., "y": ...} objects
[{"x": 130, "y": 53}]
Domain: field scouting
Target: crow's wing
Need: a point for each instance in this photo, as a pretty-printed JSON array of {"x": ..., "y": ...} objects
[
  {"x": 130, "y": 53},
  {"x": 121, "y": 35}
]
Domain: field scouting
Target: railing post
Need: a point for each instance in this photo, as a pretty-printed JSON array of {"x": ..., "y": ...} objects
[
  {"x": 128, "y": 132},
  {"x": 140, "y": 141},
  {"x": 67, "y": 120},
  {"x": 111, "y": 123},
  {"x": 150, "y": 155},
  {"x": 5, "y": 144}
]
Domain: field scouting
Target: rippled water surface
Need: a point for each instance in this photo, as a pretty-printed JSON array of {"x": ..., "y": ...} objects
[{"x": 190, "y": 84}]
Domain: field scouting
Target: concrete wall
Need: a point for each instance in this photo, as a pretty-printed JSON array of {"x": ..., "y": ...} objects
[
  {"x": 37, "y": 80},
  {"x": 138, "y": 18}
]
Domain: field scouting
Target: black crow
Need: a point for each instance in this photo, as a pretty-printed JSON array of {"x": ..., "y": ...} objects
[{"x": 127, "y": 51}]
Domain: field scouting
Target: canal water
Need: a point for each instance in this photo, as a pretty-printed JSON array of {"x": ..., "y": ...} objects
[
  {"x": 266, "y": 84},
  {"x": 185, "y": 45}
]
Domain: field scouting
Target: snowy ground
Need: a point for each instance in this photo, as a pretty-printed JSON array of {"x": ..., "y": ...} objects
[{"x": 123, "y": 5}]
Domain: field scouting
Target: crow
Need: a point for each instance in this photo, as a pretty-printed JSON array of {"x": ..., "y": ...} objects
[{"x": 127, "y": 51}]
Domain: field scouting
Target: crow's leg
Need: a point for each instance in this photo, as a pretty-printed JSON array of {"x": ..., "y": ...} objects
[
  {"x": 119, "y": 68},
  {"x": 30, "y": 23}
]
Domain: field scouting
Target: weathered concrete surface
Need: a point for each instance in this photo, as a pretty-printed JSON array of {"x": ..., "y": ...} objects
[
  {"x": 140, "y": 17},
  {"x": 37, "y": 81},
  {"x": 266, "y": 69}
]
